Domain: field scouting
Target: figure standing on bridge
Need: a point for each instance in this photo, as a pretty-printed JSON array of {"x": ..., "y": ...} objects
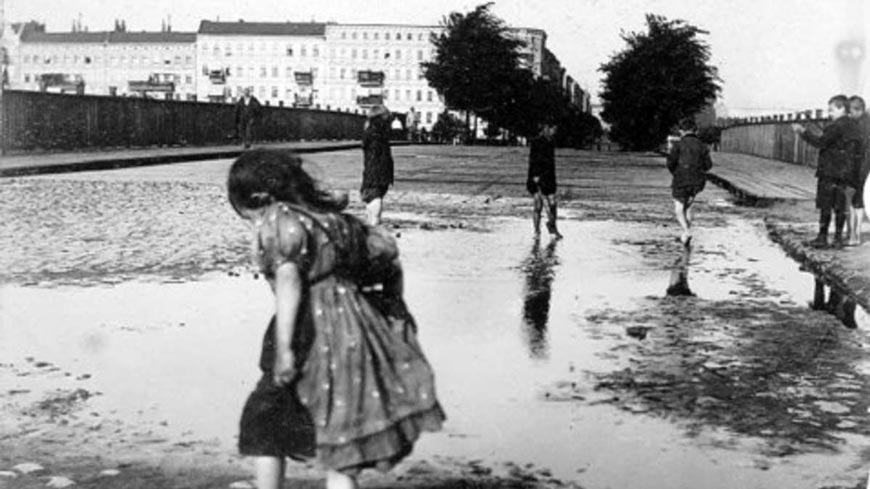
[
  {"x": 377, "y": 163},
  {"x": 688, "y": 161},
  {"x": 858, "y": 112},
  {"x": 838, "y": 145},
  {"x": 247, "y": 113},
  {"x": 541, "y": 182}
]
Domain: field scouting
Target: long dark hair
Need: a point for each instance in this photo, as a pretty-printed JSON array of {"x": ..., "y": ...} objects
[{"x": 260, "y": 177}]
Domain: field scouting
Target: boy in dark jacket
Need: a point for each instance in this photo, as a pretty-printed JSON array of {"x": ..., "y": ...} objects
[
  {"x": 838, "y": 145},
  {"x": 377, "y": 162},
  {"x": 688, "y": 161},
  {"x": 858, "y": 113},
  {"x": 541, "y": 180},
  {"x": 247, "y": 112}
]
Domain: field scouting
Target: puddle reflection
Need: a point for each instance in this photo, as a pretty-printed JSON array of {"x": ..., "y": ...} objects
[
  {"x": 838, "y": 304},
  {"x": 679, "y": 283},
  {"x": 538, "y": 271}
]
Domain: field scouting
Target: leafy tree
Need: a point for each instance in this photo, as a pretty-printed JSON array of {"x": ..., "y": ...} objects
[
  {"x": 447, "y": 127},
  {"x": 662, "y": 76},
  {"x": 476, "y": 62}
]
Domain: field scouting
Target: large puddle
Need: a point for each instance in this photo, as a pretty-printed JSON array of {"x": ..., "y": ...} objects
[{"x": 569, "y": 356}]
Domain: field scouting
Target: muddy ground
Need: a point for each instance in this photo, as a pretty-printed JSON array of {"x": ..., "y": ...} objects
[{"x": 699, "y": 362}]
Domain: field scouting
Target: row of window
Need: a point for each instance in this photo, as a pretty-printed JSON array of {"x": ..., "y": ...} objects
[
  {"x": 114, "y": 60},
  {"x": 376, "y": 36},
  {"x": 188, "y": 79},
  {"x": 289, "y": 49},
  {"x": 334, "y": 72},
  {"x": 377, "y": 54}
]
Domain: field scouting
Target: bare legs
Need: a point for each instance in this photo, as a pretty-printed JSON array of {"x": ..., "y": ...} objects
[
  {"x": 270, "y": 475},
  {"x": 683, "y": 212},
  {"x": 856, "y": 218},
  {"x": 373, "y": 211},
  {"x": 269, "y": 472},
  {"x": 548, "y": 203},
  {"x": 337, "y": 480}
]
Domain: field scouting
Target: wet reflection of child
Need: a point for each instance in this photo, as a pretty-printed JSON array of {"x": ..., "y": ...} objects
[
  {"x": 688, "y": 161},
  {"x": 343, "y": 378},
  {"x": 541, "y": 181}
]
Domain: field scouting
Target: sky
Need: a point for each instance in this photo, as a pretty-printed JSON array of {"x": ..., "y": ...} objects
[{"x": 772, "y": 55}]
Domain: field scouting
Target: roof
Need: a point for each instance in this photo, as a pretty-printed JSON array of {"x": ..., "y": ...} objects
[
  {"x": 152, "y": 37},
  {"x": 63, "y": 37},
  {"x": 108, "y": 37},
  {"x": 263, "y": 28}
]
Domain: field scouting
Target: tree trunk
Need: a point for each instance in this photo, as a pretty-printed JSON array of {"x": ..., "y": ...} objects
[{"x": 467, "y": 126}]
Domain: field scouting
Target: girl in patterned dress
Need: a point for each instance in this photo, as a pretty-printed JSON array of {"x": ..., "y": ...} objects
[{"x": 344, "y": 378}]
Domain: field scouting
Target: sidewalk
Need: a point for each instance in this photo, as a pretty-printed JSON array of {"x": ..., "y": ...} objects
[
  {"x": 41, "y": 163},
  {"x": 787, "y": 192}
]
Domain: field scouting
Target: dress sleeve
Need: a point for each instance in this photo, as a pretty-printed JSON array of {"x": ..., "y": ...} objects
[{"x": 282, "y": 238}]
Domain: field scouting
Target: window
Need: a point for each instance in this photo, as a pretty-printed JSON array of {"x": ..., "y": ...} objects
[
  {"x": 398, "y": 36},
  {"x": 376, "y": 54},
  {"x": 420, "y": 36},
  {"x": 386, "y": 94},
  {"x": 353, "y": 36},
  {"x": 315, "y": 51},
  {"x": 408, "y": 74},
  {"x": 303, "y": 51},
  {"x": 353, "y": 53},
  {"x": 229, "y": 51},
  {"x": 428, "y": 117},
  {"x": 239, "y": 71},
  {"x": 407, "y": 95},
  {"x": 238, "y": 91},
  {"x": 26, "y": 58},
  {"x": 419, "y": 95},
  {"x": 375, "y": 36},
  {"x": 262, "y": 91},
  {"x": 420, "y": 55},
  {"x": 263, "y": 73},
  {"x": 410, "y": 37},
  {"x": 365, "y": 54},
  {"x": 289, "y": 72},
  {"x": 344, "y": 35},
  {"x": 188, "y": 79},
  {"x": 178, "y": 60},
  {"x": 289, "y": 50},
  {"x": 343, "y": 71},
  {"x": 188, "y": 59},
  {"x": 26, "y": 78},
  {"x": 429, "y": 96},
  {"x": 398, "y": 54},
  {"x": 87, "y": 60},
  {"x": 274, "y": 72},
  {"x": 274, "y": 92},
  {"x": 398, "y": 74},
  {"x": 387, "y": 36},
  {"x": 343, "y": 52},
  {"x": 365, "y": 36}
]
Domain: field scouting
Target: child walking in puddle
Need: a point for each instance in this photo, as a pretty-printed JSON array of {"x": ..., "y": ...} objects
[
  {"x": 541, "y": 181},
  {"x": 343, "y": 376},
  {"x": 688, "y": 161}
]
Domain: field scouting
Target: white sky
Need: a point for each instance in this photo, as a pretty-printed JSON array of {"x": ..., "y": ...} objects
[{"x": 772, "y": 54}]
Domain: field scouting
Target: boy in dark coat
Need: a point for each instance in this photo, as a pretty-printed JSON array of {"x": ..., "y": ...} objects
[
  {"x": 541, "y": 181},
  {"x": 858, "y": 113},
  {"x": 377, "y": 162},
  {"x": 688, "y": 161},
  {"x": 247, "y": 112},
  {"x": 838, "y": 145}
]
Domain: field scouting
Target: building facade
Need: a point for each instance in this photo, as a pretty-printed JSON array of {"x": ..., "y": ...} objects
[
  {"x": 325, "y": 66},
  {"x": 155, "y": 64}
]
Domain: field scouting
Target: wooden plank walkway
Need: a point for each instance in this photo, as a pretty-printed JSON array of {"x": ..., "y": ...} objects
[{"x": 763, "y": 179}]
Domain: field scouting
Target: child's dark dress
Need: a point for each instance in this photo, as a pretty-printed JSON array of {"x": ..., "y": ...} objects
[
  {"x": 542, "y": 165},
  {"x": 364, "y": 390}
]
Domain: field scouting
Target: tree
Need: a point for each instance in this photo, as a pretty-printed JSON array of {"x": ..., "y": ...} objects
[
  {"x": 476, "y": 63},
  {"x": 447, "y": 127},
  {"x": 662, "y": 76}
]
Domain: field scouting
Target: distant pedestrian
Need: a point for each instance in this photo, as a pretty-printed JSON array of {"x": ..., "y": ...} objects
[
  {"x": 247, "y": 113},
  {"x": 688, "y": 161},
  {"x": 838, "y": 144},
  {"x": 858, "y": 113},
  {"x": 343, "y": 377},
  {"x": 541, "y": 180},
  {"x": 377, "y": 162}
]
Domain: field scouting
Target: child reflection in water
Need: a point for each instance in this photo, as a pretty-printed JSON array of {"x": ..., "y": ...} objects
[
  {"x": 539, "y": 273},
  {"x": 679, "y": 284}
]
